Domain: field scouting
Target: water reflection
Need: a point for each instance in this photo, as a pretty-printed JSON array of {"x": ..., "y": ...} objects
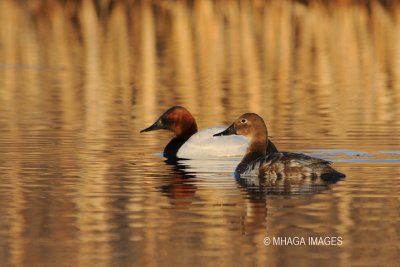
[
  {"x": 255, "y": 187},
  {"x": 260, "y": 187},
  {"x": 260, "y": 55},
  {"x": 180, "y": 185},
  {"x": 79, "y": 79}
]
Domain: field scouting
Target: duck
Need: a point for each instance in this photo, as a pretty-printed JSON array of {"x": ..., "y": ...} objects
[
  {"x": 189, "y": 143},
  {"x": 274, "y": 165}
]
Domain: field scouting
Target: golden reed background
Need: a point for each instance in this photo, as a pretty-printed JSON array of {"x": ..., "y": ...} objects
[{"x": 217, "y": 58}]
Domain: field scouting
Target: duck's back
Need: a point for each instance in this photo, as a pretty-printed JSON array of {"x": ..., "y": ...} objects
[
  {"x": 289, "y": 165},
  {"x": 204, "y": 145}
]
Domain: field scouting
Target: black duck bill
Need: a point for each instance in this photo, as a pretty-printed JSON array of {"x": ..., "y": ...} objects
[
  {"x": 229, "y": 131},
  {"x": 158, "y": 125}
]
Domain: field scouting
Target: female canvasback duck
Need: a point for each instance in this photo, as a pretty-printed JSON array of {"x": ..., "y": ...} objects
[
  {"x": 188, "y": 143},
  {"x": 275, "y": 165}
]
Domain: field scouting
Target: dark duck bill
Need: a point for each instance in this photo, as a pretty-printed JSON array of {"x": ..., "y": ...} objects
[
  {"x": 229, "y": 131},
  {"x": 158, "y": 125}
]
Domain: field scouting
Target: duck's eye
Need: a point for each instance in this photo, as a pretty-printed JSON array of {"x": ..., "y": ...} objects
[{"x": 243, "y": 121}]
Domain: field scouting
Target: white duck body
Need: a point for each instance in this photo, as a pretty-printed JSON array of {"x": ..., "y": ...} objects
[{"x": 203, "y": 145}]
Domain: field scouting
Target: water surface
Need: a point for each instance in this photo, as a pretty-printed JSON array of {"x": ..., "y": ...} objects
[{"x": 81, "y": 187}]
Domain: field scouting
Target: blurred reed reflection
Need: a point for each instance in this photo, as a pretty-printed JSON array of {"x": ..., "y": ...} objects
[
  {"x": 219, "y": 59},
  {"x": 78, "y": 79}
]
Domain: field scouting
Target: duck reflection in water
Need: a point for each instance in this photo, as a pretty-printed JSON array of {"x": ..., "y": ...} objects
[
  {"x": 251, "y": 215},
  {"x": 180, "y": 186},
  {"x": 261, "y": 187}
]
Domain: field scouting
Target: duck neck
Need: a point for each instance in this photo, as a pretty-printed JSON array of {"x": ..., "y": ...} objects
[
  {"x": 182, "y": 134},
  {"x": 255, "y": 150},
  {"x": 185, "y": 130},
  {"x": 171, "y": 149}
]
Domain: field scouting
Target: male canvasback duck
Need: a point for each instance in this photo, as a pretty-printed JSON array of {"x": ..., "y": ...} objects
[
  {"x": 275, "y": 165},
  {"x": 188, "y": 143}
]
